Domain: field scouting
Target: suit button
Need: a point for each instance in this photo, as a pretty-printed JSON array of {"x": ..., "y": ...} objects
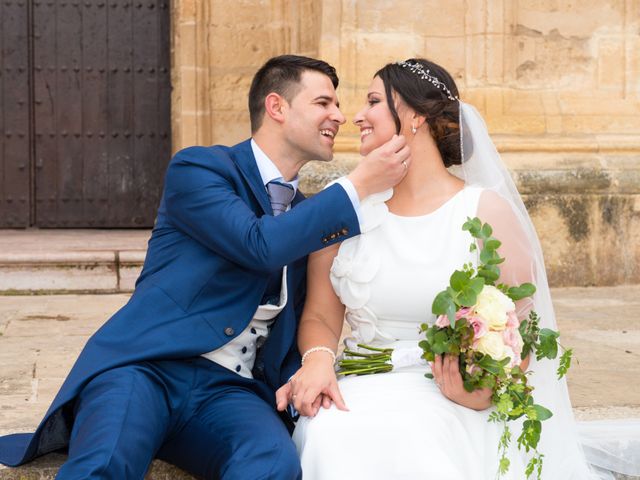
[
  {"x": 229, "y": 331},
  {"x": 344, "y": 231},
  {"x": 333, "y": 236},
  {"x": 325, "y": 240}
]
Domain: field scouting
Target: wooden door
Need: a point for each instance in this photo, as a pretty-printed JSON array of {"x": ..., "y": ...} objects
[{"x": 99, "y": 113}]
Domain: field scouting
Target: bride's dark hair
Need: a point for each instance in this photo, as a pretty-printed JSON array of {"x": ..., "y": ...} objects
[{"x": 442, "y": 114}]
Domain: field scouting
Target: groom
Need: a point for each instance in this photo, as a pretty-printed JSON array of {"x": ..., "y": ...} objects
[{"x": 186, "y": 371}]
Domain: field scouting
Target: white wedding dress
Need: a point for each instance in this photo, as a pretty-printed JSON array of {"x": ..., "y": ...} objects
[{"x": 399, "y": 425}]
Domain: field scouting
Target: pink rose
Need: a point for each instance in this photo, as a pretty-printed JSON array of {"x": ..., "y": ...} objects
[
  {"x": 512, "y": 319},
  {"x": 513, "y": 340},
  {"x": 480, "y": 327},
  {"x": 442, "y": 321}
]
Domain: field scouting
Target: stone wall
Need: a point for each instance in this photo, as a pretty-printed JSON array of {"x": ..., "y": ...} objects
[{"x": 557, "y": 81}]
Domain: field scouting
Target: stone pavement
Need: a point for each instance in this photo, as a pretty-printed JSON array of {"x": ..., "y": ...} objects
[{"x": 41, "y": 335}]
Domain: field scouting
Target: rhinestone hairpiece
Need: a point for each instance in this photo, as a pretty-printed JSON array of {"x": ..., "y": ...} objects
[{"x": 419, "y": 70}]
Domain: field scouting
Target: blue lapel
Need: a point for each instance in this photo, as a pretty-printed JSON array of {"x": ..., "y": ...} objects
[
  {"x": 298, "y": 198},
  {"x": 242, "y": 154}
]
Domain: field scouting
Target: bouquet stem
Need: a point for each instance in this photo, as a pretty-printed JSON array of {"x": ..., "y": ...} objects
[{"x": 362, "y": 363}]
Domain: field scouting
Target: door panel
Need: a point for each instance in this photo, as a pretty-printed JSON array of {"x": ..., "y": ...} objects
[{"x": 15, "y": 153}]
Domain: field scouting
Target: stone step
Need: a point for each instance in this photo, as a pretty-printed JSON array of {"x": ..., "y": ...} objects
[
  {"x": 62, "y": 261},
  {"x": 45, "y": 468}
]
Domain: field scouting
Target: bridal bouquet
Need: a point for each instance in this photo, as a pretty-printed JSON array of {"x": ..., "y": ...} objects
[{"x": 476, "y": 321}]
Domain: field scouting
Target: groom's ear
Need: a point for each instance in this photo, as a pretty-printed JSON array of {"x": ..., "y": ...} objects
[{"x": 275, "y": 106}]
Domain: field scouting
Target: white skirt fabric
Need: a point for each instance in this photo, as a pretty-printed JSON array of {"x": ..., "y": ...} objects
[{"x": 400, "y": 426}]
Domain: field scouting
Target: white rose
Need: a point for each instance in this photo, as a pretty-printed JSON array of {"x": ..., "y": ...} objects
[
  {"x": 493, "y": 306},
  {"x": 492, "y": 344}
]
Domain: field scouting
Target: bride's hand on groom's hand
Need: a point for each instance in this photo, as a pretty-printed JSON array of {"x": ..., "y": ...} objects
[
  {"x": 284, "y": 397},
  {"x": 446, "y": 373},
  {"x": 314, "y": 385}
]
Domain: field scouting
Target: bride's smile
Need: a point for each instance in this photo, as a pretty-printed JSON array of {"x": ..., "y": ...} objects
[{"x": 375, "y": 121}]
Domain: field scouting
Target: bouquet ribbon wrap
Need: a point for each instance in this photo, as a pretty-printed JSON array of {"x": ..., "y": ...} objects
[{"x": 407, "y": 357}]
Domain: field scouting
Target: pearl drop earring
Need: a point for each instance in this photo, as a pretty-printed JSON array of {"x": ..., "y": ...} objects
[{"x": 413, "y": 129}]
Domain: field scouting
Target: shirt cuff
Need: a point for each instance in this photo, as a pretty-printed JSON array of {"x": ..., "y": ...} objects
[{"x": 345, "y": 183}]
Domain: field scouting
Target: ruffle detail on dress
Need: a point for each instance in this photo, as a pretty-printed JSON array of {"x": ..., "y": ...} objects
[
  {"x": 355, "y": 267},
  {"x": 364, "y": 329},
  {"x": 373, "y": 210}
]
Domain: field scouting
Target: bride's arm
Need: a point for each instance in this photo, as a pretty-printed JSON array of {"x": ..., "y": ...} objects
[
  {"x": 320, "y": 326},
  {"x": 516, "y": 248},
  {"x": 519, "y": 265}
]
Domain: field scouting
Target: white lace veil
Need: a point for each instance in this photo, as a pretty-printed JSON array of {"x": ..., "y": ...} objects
[{"x": 608, "y": 445}]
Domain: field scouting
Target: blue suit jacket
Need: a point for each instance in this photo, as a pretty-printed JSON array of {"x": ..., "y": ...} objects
[{"x": 212, "y": 250}]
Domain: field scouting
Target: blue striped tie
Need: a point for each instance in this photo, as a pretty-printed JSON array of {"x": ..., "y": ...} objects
[{"x": 280, "y": 195}]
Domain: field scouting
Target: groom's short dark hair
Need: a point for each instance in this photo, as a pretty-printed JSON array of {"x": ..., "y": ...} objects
[{"x": 282, "y": 75}]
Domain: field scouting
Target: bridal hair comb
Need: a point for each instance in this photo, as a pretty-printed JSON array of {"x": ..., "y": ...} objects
[{"x": 419, "y": 70}]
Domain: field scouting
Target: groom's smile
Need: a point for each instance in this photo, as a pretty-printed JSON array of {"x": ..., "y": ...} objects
[{"x": 314, "y": 118}]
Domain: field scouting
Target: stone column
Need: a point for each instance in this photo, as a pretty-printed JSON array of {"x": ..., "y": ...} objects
[{"x": 218, "y": 46}]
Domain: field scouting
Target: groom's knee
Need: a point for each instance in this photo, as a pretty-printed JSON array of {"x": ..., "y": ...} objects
[
  {"x": 278, "y": 462},
  {"x": 288, "y": 464}
]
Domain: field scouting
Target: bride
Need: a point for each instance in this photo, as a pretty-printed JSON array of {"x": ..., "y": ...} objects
[{"x": 400, "y": 425}]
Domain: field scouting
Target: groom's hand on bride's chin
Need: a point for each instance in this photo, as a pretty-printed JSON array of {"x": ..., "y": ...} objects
[{"x": 383, "y": 168}]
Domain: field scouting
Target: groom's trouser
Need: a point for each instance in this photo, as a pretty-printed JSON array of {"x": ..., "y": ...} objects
[{"x": 192, "y": 413}]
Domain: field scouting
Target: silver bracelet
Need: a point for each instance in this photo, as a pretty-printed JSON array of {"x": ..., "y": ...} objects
[{"x": 319, "y": 348}]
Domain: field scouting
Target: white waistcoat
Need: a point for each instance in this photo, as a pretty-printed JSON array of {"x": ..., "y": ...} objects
[{"x": 239, "y": 354}]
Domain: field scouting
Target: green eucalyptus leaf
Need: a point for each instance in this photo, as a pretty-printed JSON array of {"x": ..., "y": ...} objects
[
  {"x": 490, "y": 273},
  {"x": 473, "y": 226},
  {"x": 522, "y": 291},
  {"x": 431, "y": 333},
  {"x": 460, "y": 324},
  {"x": 440, "y": 348},
  {"x": 496, "y": 260},
  {"x": 542, "y": 413},
  {"x": 467, "y": 297},
  {"x": 451, "y": 314},
  {"x": 459, "y": 280},
  {"x": 441, "y": 303},
  {"x": 486, "y": 230},
  {"x": 485, "y": 255},
  {"x": 492, "y": 244},
  {"x": 477, "y": 284},
  {"x": 428, "y": 355}
]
